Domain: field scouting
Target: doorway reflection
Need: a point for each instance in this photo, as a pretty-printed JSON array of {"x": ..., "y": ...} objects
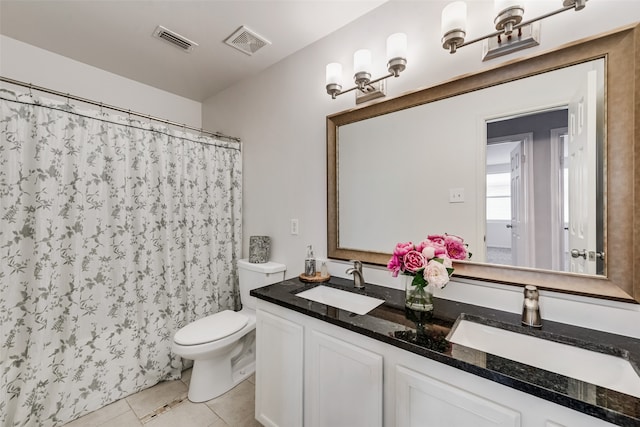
[{"x": 527, "y": 190}]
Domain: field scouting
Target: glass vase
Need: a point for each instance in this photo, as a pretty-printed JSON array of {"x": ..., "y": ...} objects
[{"x": 418, "y": 298}]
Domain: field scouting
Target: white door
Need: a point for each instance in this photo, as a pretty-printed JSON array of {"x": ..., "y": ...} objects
[
  {"x": 559, "y": 200},
  {"x": 279, "y": 371},
  {"x": 582, "y": 177},
  {"x": 344, "y": 384},
  {"x": 521, "y": 243}
]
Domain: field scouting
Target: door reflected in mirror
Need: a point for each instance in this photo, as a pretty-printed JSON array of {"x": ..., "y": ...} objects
[{"x": 543, "y": 184}]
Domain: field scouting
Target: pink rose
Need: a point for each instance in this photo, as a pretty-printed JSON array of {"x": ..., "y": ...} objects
[
  {"x": 395, "y": 265},
  {"x": 456, "y": 249},
  {"x": 438, "y": 248},
  {"x": 437, "y": 239},
  {"x": 436, "y": 274},
  {"x": 434, "y": 255},
  {"x": 402, "y": 249},
  {"x": 413, "y": 261}
]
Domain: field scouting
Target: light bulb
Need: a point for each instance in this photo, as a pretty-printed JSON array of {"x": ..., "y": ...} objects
[
  {"x": 334, "y": 73},
  {"x": 362, "y": 61},
  {"x": 501, "y": 5},
  {"x": 397, "y": 46},
  {"x": 508, "y": 14},
  {"x": 454, "y": 17}
]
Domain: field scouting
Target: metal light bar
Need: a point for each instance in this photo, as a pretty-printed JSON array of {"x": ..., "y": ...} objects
[
  {"x": 516, "y": 27},
  {"x": 508, "y": 21},
  {"x": 369, "y": 89},
  {"x": 337, "y": 93}
]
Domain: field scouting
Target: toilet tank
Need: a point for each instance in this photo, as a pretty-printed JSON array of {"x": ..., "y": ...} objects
[{"x": 253, "y": 276}]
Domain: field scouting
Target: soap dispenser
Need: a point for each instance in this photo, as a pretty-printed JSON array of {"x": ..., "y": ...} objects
[{"x": 310, "y": 263}]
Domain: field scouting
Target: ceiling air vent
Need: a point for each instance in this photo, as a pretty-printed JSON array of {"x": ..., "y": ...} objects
[
  {"x": 246, "y": 41},
  {"x": 174, "y": 38}
]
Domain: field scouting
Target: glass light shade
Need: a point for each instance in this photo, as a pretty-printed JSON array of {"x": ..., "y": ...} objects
[
  {"x": 500, "y": 5},
  {"x": 334, "y": 73},
  {"x": 362, "y": 61},
  {"x": 454, "y": 17},
  {"x": 397, "y": 46}
]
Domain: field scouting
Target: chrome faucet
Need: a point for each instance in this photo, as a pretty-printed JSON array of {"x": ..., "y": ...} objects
[
  {"x": 358, "y": 278},
  {"x": 531, "y": 307}
]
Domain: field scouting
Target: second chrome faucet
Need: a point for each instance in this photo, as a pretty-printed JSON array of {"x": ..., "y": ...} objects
[
  {"x": 358, "y": 278},
  {"x": 531, "y": 307}
]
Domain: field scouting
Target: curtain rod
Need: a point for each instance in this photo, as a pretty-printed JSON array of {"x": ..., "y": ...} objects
[{"x": 111, "y": 107}]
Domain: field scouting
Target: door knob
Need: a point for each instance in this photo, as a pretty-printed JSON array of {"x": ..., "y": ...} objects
[
  {"x": 575, "y": 253},
  {"x": 509, "y": 226}
]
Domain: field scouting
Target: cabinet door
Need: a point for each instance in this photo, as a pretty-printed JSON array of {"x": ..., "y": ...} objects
[
  {"x": 422, "y": 401},
  {"x": 344, "y": 387},
  {"x": 279, "y": 371}
]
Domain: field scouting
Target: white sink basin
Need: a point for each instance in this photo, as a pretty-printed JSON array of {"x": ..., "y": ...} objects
[
  {"x": 604, "y": 370},
  {"x": 355, "y": 303}
]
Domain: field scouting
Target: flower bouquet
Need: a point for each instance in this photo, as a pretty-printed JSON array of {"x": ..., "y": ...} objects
[{"x": 429, "y": 263}]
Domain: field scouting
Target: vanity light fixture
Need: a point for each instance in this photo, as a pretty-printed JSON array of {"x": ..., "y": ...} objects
[
  {"x": 512, "y": 33},
  {"x": 366, "y": 88}
]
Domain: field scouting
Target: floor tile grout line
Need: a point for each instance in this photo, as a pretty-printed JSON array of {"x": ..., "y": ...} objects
[
  {"x": 162, "y": 410},
  {"x": 131, "y": 407}
]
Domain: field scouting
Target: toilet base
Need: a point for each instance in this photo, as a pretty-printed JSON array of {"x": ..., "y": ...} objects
[
  {"x": 214, "y": 376},
  {"x": 209, "y": 382}
]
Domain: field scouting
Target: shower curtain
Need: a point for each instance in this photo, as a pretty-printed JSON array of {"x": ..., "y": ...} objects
[{"x": 113, "y": 234}]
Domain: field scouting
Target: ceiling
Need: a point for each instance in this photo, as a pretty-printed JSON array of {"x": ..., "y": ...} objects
[{"x": 116, "y": 35}]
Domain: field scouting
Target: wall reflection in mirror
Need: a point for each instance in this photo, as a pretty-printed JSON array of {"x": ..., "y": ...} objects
[{"x": 515, "y": 169}]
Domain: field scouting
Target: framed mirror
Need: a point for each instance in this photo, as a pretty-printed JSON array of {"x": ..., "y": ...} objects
[{"x": 440, "y": 160}]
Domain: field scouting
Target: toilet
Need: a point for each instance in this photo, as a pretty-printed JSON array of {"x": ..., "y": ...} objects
[{"x": 222, "y": 345}]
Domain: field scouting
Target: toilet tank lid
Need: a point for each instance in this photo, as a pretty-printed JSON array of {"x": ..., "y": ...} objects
[
  {"x": 265, "y": 267},
  {"x": 211, "y": 328}
]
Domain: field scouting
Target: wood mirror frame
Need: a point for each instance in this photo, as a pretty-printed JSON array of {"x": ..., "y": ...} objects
[{"x": 621, "y": 51}]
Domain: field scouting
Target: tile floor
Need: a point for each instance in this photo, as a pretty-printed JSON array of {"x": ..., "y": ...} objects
[{"x": 233, "y": 409}]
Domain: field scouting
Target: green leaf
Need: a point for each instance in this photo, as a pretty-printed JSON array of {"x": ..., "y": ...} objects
[{"x": 419, "y": 281}]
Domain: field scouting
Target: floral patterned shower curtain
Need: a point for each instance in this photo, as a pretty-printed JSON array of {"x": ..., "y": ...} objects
[{"x": 113, "y": 234}]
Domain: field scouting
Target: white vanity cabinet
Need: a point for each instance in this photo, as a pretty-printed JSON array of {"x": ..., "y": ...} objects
[
  {"x": 351, "y": 380},
  {"x": 342, "y": 380},
  {"x": 343, "y": 383},
  {"x": 279, "y": 370}
]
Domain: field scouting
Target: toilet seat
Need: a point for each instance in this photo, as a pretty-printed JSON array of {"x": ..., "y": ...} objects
[{"x": 211, "y": 328}]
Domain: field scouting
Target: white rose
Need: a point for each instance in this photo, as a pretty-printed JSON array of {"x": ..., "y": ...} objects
[
  {"x": 447, "y": 262},
  {"x": 435, "y": 273}
]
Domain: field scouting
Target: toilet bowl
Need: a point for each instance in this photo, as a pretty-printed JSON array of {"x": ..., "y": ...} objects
[{"x": 222, "y": 345}]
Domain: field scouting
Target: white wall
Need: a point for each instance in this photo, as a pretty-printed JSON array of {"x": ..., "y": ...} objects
[
  {"x": 280, "y": 116},
  {"x": 30, "y": 64}
]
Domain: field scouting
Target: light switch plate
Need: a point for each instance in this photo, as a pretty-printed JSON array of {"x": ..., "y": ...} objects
[{"x": 456, "y": 195}]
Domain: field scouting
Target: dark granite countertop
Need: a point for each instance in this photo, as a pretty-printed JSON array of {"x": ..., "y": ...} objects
[{"x": 392, "y": 324}]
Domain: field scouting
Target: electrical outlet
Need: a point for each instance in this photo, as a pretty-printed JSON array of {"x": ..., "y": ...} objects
[
  {"x": 295, "y": 229},
  {"x": 456, "y": 195}
]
